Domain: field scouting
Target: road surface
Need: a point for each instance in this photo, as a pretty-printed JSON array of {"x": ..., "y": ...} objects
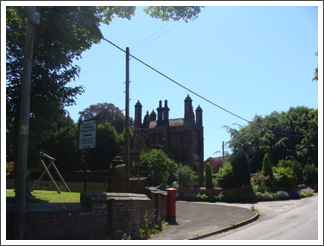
[{"x": 282, "y": 220}]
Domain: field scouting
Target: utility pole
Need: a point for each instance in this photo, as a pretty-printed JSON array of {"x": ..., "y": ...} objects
[
  {"x": 21, "y": 165},
  {"x": 223, "y": 149},
  {"x": 127, "y": 122}
]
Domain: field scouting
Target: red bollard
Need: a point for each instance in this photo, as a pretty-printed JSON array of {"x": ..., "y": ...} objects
[{"x": 172, "y": 197}]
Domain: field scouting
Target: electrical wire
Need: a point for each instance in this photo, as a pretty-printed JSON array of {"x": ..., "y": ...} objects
[
  {"x": 153, "y": 34},
  {"x": 156, "y": 37},
  {"x": 137, "y": 45},
  {"x": 250, "y": 122}
]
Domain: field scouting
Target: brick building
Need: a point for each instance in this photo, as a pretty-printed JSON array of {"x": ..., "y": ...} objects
[{"x": 182, "y": 139}]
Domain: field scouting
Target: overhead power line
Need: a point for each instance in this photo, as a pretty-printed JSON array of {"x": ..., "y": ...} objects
[
  {"x": 281, "y": 133},
  {"x": 137, "y": 45}
]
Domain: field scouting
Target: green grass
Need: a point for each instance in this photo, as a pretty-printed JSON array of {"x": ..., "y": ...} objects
[{"x": 44, "y": 196}]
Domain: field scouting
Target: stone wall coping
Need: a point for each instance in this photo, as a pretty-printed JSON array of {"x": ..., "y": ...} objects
[
  {"x": 49, "y": 207},
  {"x": 214, "y": 188},
  {"x": 136, "y": 179},
  {"x": 155, "y": 190},
  {"x": 118, "y": 166},
  {"x": 104, "y": 196}
]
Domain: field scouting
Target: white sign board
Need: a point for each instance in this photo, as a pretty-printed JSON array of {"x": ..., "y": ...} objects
[{"x": 87, "y": 134}]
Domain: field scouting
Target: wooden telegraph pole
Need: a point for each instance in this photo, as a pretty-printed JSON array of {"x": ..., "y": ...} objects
[
  {"x": 21, "y": 165},
  {"x": 127, "y": 122}
]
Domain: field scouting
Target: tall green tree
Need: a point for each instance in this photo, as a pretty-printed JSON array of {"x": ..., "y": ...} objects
[
  {"x": 241, "y": 168},
  {"x": 267, "y": 166},
  {"x": 263, "y": 135},
  {"x": 208, "y": 176},
  {"x": 63, "y": 144},
  {"x": 105, "y": 112},
  {"x": 58, "y": 40},
  {"x": 107, "y": 147}
]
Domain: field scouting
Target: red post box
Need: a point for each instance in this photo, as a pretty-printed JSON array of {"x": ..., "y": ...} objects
[{"x": 172, "y": 198}]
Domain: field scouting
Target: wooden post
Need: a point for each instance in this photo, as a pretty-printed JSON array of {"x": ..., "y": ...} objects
[
  {"x": 48, "y": 173},
  {"x": 86, "y": 171},
  {"x": 60, "y": 176},
  {"x": 50, "y": 176},
  {"x": 40, "y": 178}
]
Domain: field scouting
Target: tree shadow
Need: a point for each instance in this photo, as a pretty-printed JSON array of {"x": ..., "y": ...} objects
[{"x": 29, "y": 199}]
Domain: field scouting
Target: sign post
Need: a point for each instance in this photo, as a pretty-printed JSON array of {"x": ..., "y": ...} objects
[{"x": 87, "y": 140}]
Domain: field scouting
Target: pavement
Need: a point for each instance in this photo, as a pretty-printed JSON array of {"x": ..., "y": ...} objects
[{"x": 198, "y": 220}]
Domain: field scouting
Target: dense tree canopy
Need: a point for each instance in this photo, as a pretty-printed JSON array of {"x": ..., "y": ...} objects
[
  {"x": 57, "y": 42},
  {"x": 264, "y": 135},
  {"x": 63, "y": 34},
  {"x": 104, "y": 112},
  {"x": 63, "y": 144},
  {"x": 107, "y": 147}
]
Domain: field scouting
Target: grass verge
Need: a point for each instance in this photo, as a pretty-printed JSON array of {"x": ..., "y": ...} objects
[{"x": 44, "y": 196}]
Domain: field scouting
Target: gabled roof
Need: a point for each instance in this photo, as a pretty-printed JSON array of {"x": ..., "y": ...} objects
[
  {"x": 176, "y": 122},
  {"x": 172, "y": 122}
]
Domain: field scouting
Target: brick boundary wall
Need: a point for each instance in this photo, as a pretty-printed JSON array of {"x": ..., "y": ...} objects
[
  {"x": 215, "y": 191},
  {"x": 98, "y": 216}
]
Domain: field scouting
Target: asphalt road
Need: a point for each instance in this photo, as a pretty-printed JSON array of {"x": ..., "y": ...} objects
[{"x": 281, "y": 220}]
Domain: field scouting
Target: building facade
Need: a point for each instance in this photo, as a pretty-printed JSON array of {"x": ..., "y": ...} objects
[{"x": 182, "y": 139}]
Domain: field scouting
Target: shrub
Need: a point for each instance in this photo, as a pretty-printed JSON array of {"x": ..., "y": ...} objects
[
  {"x": 306, "y": 192},
  {"x": 209, "y": 176},
  {"x": 241, "y": 168},
  {"x": 261, "y": 182},
  {"x": 225, "y": 176},
  {"x": 310, "y": 174},
  {"x": 214, "y": 183},
  {"x": 283, "y": 177},
  {"x": 175, "y": 184},
  {"x": 283, "y": 195},
  {"x": 219, "y": 198},
  {"x": 216, "y": 163},
  {"x": 158, "y": 165},
  {"x": 267, "y": 196},
  {"x": 267, "y": 166},
  {"x": 296, "y": 166},
  {"x": 185, "y": 176},
  {"x": 294, "y": 194}
]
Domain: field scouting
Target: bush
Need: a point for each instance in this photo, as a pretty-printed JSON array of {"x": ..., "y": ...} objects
[
  {"x": 283, "y": 177},
  {"x": 241, "y": 168},
  {"x": 218, "y": 198},
  {"x": 225, "y": 176},
  {"x": 267, "y": 166},
  {"x": 294, "y": 194},
  {"x": 158, "y": 166},
  {"x": 306, "y": 192},
  {"x": 185, "y": 176},
  {"x": 282, "y": 195},
  {"x": 310, "y": 174},
  {"x": 208, "y": 176},
  {"x": 296, "y": 166},
  {"x": 216, "y": 163},
  {"x": 260, "y": 182}
]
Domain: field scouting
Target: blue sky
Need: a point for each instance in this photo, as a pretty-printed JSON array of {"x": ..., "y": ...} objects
[{"x": 247, "y": 59}]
